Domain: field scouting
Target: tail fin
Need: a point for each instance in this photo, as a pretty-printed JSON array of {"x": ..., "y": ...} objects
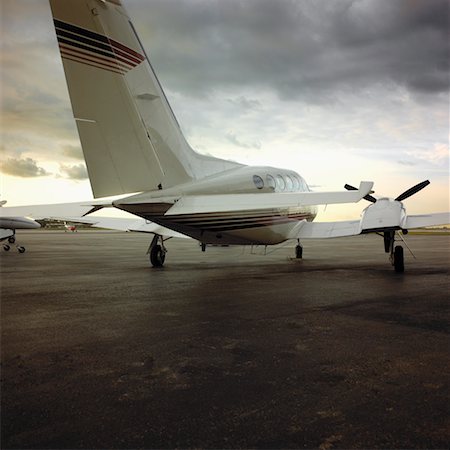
[{"x": 130, "y": 137}]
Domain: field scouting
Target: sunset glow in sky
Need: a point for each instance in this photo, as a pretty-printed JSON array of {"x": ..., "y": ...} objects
[{"x": 340, "y": 91}]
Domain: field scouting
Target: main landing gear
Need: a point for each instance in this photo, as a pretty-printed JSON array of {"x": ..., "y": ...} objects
[
  {"x": 12, "y": 240},
  {"x": 157, "y": 251},
  {"x": 396, "y": 251},
  {"x": 298, "y": 250}
]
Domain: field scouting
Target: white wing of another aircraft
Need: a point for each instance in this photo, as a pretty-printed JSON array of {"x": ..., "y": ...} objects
[
  {"x": 9, "y": 223},
  {"x": 132, "y": 142}
]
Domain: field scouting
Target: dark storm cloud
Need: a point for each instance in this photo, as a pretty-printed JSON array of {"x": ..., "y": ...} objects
[
  {"x": 23, "y": 167},
  {"x": 245, "y": 103},
  {"x": 300, "y": 49}
]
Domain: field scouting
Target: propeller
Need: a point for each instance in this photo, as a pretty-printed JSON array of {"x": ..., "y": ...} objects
[
  {"x": 367, "y": 197},
  {"x": 411, "y": 191}
]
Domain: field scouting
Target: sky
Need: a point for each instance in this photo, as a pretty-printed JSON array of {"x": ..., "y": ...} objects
[{"x": 340, "y": 91}]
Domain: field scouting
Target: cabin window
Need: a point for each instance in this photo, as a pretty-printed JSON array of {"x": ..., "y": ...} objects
[
  {"x": 281, "y": 185},
  {"x": 289, "y": 183},
  {"x": 259, "y": 183},
  {"x": 296, "y": 183},
  {"x": 307, "y": 189},
  {"x": 270, "y": 180},
  {"x": 303, "y": 184}
]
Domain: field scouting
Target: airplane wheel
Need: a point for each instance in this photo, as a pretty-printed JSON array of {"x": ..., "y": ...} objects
[
  {"x": 21, "y": 249},
  {"x": 399, "y": 263},
  {"x": 11, "y": 239},
  {"x": 298, "y": 251},
  {"x": 157, "y": 256},
  {"x": 6, "y": 247}
]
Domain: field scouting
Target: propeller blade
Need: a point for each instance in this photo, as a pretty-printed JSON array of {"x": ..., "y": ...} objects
[
  {"x": 412, "y": 191},
  {"x": 367, "y": 197}
]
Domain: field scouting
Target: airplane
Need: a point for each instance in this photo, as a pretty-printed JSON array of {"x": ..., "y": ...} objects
[
  {"x": 9, "y": 225},
  {"x": 134, "y": 147},
  {"x": 70, "y": 227}
]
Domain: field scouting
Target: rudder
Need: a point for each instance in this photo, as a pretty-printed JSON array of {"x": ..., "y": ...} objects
[{"x": 130, "y": 137}]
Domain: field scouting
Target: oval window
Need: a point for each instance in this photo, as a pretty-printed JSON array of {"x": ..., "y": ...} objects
[
  {"x": 259, "y": 183},
  {"x": 307, "y": 189},
  {"x": 296, "y": 183},
  {"x": 270, "y": 181},
  {"x": 303, "y": 184},
  {"x": 281, "y": 185},
  {"x": 289, "y": 183}
]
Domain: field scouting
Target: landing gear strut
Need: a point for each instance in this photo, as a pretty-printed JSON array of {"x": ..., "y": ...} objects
[
  {"x": 298, "y": 250},
  {"x": 396, "y": 251},
  {"x": 157, "y": 251}
]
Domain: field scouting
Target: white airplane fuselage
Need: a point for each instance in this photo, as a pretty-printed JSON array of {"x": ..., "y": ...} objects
[{"x": 266, "y": 225}]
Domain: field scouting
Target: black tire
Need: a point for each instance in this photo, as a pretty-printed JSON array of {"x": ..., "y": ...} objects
[
  {"x": 11, "y": 239},
  {"x": 298, "y": 251},
  {"x": 399, "y": 263},
  {"x": 6, "y": 247},
  {"x": 21, "y": 249},
  {"x": 157, "y": 256}
]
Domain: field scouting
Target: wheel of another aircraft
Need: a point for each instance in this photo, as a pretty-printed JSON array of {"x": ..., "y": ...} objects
[
  {"x": 11, "y": 239},
  {"x": 6, "y": 247},
  {"x": 21, "y": 249},
  {"x": 298, "y": 251},
  {"x": 157, "y": 256},
  {"x": 399, "y": 263}
]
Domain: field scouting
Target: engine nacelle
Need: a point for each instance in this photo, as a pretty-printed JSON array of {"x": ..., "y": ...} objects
[{"x": 384, "y": 214}]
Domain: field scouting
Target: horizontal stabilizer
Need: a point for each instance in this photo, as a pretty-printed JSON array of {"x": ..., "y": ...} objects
[
  {"x": 124, "y": 224},
  {"x": 55, "y": 210}
]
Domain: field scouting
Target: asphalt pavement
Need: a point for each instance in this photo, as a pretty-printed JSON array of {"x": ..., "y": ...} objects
[{"x": 223, "y": 349}]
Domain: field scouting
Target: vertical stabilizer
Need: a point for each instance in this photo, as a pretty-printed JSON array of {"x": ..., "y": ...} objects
[{"x": 130, "y": 138}]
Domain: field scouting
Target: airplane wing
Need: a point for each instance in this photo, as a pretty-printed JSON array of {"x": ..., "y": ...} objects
[
  {"x": 195, "y": 204},
  {"x": 324, "y": 230},
  {"x": 427, "y": 220}
]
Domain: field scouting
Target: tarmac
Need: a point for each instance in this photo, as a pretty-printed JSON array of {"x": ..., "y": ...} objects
[{"x": 223, "y": 349}]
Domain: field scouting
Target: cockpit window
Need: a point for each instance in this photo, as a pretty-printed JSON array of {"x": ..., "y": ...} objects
[
  {"x": 270, "y": 181},
  {"x": 259, "y": 183}
]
